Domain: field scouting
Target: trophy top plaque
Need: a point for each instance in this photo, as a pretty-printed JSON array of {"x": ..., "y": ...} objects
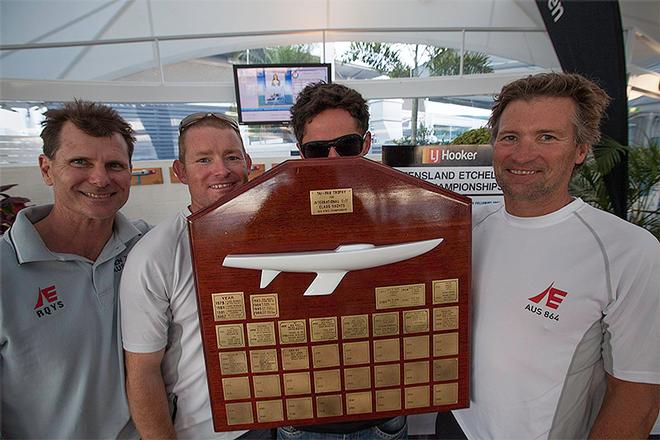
[{"x": 333, "y": 290}]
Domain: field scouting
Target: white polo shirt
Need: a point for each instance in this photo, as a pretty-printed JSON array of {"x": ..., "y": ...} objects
[{"x": 159, "y": 311}]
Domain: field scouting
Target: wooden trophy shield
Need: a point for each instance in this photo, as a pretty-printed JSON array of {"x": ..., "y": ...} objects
[{"x": 331, "y": 291}]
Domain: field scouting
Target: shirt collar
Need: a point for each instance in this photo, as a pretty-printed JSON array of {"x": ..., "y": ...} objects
[
  {"x": 125, "y": 229},
  {"x": 29, "y": 246},
  {"x": 25, "y": 239},
  {"x": 544, "y": 220}
]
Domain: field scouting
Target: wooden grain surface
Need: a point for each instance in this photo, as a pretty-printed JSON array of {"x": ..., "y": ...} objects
[{"x": 272, "y": 214}]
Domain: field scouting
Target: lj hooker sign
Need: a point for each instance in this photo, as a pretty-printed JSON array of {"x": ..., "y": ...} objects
[
  {"x": 465, "y": 169},
  {"x": 333, "y": 290}
]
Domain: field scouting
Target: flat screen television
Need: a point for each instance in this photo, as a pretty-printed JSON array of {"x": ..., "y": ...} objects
[{"x": 266, "y": 92}]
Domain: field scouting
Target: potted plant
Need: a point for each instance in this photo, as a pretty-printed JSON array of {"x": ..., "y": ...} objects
[
  {"x": 9, "y": 207},
  {"x": 475, "y": 136},
  {"x": 643, "y": 181}
]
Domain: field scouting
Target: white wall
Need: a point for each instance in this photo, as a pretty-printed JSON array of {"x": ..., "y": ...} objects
[
  {"x": 152, "y": 203},
  {"x": 29, "y": 183}
]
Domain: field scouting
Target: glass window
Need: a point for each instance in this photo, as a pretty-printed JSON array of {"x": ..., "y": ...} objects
[
  {"x": 155, "y": 125},
  {"x": 400, "y": 60},
  {"x": 439, "y": 120}
]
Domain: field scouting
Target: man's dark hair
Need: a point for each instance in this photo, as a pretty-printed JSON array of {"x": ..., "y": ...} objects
[
  {"x": 317, "y": 97},
  {"x": 94, "y": 119},
  {"x": 590, "y": 101}
]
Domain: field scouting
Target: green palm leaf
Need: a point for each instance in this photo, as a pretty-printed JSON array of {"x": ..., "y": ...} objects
[{"x": 643, "y": 181}]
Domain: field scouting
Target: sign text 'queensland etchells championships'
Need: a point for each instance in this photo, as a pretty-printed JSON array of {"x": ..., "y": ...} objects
[
  {"x": 469, "y": 182},
  {"x": 465, "y": 169}
]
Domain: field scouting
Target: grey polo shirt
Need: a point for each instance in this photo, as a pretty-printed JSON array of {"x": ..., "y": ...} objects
[{"x": 62, "y": 372}]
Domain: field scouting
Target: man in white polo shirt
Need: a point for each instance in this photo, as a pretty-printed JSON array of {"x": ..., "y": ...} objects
[
  {"x": 60, "y": 358},
  {"x": 566, "y": 297},
  {"x": 165, "y": 372}
]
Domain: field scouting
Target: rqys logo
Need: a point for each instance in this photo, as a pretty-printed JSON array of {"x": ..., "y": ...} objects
[{"x": 47, "y": 302}]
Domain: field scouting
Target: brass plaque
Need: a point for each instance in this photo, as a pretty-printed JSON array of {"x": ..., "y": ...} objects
[
  {"x": 356, "y": 353},
  {"x": 393, "y": 297},
  {"x": 386, "y": 324},
  {"x": 233, "y": 362},
  {"x": 416, "y": 347},
  {"x": 324, "y": 356},
  {"x": 445, "y": 394},
  {"x": 264, "y": 307},
  {"x": 355, "y": 326},
  {"x": 445, "y": 318},
  {"x": 228, "y": 306},
  {"x": 415, "y": 372},
  {"x": 327, "y": 381},
  {"x": 261, "y": 333},
  {"x": 299, "y": 408},
  {"x": 386, "y": 350},
  {"x": 445, "y": 344},
  {"x": 387, "y": 375},
  {"x": 239, "y": 413},
  {"x": 388, "y": 400},
  {"x": 358, "y": 403},
  {"x": 263, "y": 361},
  {"x": 445, "y": 369},
  {"x": 331, "y": 201},
  {"x": 295, "y": 358},
  {"x": 445, "y": 291},
  {"x": 293, "y": 332},
  {"x": 329, "y": 406},
  {"x": 415, "y": 321},
  {"x": 230, "y": 335},
  {"x": 235, "y": 388},
  {"x": 357, "y": 378},
  {"x": 296, "y": 383},
  {"x": 267, "y": 386},
  {"x": 269, "y": 411},
  {"x": 417, "y": 397},
  {"x": 323, "y": 329}
]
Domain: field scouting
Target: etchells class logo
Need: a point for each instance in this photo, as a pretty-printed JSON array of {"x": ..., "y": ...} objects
[
  {"x": 47, "y": 302},
  {"x": 550, "y": 298}
]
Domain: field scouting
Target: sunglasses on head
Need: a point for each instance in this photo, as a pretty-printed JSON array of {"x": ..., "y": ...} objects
[
  {"x": 347, "y": 145},
  {"x": 194, "y": 118}
]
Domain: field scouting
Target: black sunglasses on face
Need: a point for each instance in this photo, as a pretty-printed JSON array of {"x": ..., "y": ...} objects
[
  {"x": 196, "y": 117},
  {"x": 347, "y": 145}
]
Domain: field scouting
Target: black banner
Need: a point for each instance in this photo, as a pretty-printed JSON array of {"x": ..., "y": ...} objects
[
  {"x": 437, "y": 155},
  {"x": 588, "y": 38}
]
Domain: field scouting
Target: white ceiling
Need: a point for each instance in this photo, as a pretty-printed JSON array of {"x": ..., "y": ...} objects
[{"x": 54, "y": 39}]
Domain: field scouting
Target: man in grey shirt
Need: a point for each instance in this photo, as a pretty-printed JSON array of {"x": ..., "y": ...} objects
[{"x": 62, "y": 372}]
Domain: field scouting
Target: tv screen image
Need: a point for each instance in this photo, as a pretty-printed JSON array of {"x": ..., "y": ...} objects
[{"x": 266, "y": 92}]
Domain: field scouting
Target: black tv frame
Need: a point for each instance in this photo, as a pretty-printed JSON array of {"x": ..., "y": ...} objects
[{"x": 237, "y": 67}]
